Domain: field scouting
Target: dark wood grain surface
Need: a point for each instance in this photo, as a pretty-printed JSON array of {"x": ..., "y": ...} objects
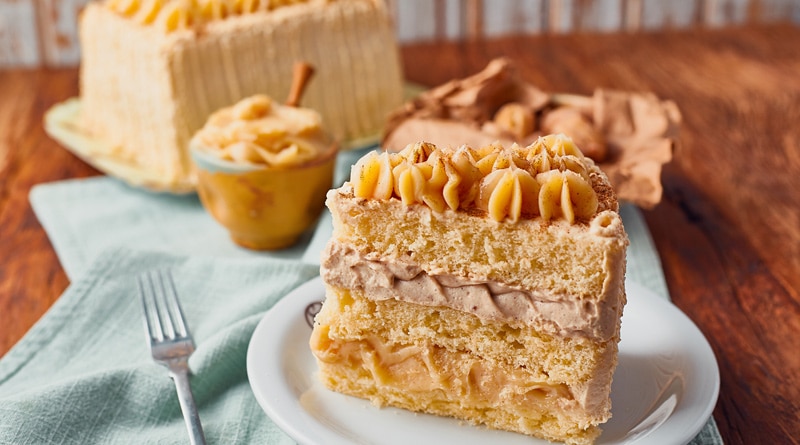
[{"x": 727, "y": 230}]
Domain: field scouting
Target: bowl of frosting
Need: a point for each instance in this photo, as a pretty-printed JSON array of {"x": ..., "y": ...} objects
[{"x": 263, "y": 170}]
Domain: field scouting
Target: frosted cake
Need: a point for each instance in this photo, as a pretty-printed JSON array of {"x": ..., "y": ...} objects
[{"x": 486, "y": 284}]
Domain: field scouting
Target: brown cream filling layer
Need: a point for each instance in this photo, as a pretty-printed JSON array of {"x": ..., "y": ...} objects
[{"x": 566, "y": 315}]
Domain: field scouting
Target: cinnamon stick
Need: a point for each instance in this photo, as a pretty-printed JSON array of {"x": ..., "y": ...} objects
[{"x": 300, "y": 77}]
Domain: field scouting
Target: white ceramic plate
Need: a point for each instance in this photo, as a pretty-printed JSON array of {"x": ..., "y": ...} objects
[{"x": 664, "y": 390}]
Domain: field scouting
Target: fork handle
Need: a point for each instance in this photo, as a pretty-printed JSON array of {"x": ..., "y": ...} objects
[{"x": 188, "y": 407}]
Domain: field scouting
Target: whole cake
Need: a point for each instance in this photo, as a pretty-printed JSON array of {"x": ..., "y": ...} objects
[
  {"x": 152, "y": 71},
  {"x": 485, "y": 284}
]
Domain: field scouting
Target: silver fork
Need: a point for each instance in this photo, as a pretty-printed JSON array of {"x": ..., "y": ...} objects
[{"x": 171, "y": 344}]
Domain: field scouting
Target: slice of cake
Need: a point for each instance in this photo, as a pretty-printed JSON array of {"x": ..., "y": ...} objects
[
  {"x": 484, "y": 284},
  {"x": 152, "y": 71}
]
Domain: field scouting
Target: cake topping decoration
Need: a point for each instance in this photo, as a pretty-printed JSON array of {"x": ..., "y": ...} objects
[
  {"x": 172, "y": 15},
  {"x": 548, "y": 179},
  {"x": 509, "y": 192},
  {"x": 256, "y": 130}
]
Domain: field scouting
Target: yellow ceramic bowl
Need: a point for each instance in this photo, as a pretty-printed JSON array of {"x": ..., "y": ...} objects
[{"x": 263, "y": 208}]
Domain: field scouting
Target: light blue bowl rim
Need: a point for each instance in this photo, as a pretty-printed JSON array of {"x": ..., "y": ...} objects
[
  {"x": 213, "y": 164},
  {"x": 209, "y": 162}
]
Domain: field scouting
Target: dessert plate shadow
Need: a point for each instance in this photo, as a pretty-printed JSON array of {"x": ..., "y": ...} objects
[{"x": 665, "y": 387}]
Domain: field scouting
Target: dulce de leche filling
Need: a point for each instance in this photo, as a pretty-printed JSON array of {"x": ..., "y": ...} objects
[
  {"x": 566, "y": 315},
  {"x": 426, "y": 369},
  {"x": 548, "y": 179},
  {"x": 258, "y": 131}
]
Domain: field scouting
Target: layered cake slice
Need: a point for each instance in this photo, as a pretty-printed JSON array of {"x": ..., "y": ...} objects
[{"x": 484, "y": 284}]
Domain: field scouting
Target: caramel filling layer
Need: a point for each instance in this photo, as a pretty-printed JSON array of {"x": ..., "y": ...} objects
[
  {"x": 426, "y": 369},
  {"x": 417, "y": 368},
  {"x": 433, "y": 380}
]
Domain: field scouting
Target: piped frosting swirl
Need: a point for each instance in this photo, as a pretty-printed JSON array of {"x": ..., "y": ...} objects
[
  {"x": 548, "y": 179},
  {"x": 258, "y": 131},
  {"x": 173, "y": 15}
]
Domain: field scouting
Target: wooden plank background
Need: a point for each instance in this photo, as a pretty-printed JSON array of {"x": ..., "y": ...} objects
[{"x": 44, "y": 32}]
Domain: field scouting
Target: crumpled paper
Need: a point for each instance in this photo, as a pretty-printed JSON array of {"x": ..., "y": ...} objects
[{"x": 630, "y": 135}]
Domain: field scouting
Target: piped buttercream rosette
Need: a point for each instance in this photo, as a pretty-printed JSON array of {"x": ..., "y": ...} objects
[{"x": 547, "y": 179}]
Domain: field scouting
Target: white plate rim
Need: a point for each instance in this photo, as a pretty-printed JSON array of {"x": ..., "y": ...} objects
[{"x": 268, "y": 377}]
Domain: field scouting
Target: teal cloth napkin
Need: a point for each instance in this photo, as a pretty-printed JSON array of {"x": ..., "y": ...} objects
[{"x": 83, "y": 374}]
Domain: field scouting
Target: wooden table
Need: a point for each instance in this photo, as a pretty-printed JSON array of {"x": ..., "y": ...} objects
[{"x": 727, "y": 230}]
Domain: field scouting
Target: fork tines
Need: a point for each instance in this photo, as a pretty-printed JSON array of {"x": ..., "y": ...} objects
[{"x": 162, "y": 311}]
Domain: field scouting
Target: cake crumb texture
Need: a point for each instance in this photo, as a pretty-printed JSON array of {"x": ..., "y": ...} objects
[{"x": 456, "y": 370}]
